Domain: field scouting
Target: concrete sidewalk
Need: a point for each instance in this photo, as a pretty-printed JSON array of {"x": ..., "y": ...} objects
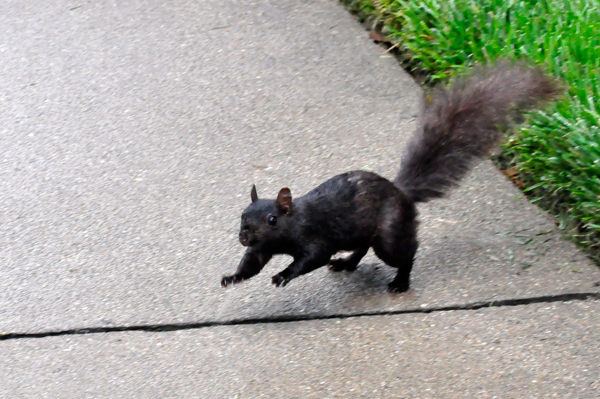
[
  {"x": 542, "y": 350},
  {"x": 131, "y": 134}
]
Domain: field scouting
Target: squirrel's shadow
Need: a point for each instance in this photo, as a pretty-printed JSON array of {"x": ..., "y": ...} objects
[{"x": 366, "y": 279}]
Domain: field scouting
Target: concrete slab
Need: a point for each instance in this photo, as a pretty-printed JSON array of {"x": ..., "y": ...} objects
[
  {"x": 131, "y": 134},
  {"x": 535, "y": 351}
]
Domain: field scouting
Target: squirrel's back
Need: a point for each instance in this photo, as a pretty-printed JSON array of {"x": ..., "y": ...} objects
[{"x": 465, "y": 122}]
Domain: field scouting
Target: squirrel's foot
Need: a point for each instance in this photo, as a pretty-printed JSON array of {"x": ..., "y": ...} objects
[
  {"x": 397, "y": 288},
  {"x": 280, "y": 280},
  {"x": 338, "y": 265},
  {"x": 230, "y": 280}
]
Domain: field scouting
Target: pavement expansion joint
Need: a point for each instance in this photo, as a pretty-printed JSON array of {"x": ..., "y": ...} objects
[{"x": 582, "y": 296}]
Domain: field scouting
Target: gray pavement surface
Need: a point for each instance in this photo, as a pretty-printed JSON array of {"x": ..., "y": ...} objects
[
  {"x": 535, "y": 351},
  {"x": 131, "y": 133}
]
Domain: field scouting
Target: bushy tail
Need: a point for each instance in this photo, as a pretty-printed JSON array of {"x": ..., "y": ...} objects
[{"x": 464, "y": 122}]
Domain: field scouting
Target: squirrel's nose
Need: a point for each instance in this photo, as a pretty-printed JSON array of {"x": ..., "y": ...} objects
[
  {"x": 244, "y": 235},
  {"x": 244, "y": 240}
]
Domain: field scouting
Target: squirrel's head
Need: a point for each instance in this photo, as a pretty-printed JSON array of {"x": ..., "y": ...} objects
[{"x": 266, "y": 220}]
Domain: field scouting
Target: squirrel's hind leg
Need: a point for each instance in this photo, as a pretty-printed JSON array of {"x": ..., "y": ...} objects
[
  {"x": 401, "y": 256},
  {"x": 396, "y": 244}
]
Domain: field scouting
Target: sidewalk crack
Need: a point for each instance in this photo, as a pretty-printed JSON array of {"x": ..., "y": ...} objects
[{"x": 167, "y": 327}]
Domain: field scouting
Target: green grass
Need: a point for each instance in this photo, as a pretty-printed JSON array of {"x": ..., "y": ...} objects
[{"x": 557, "y": 153}]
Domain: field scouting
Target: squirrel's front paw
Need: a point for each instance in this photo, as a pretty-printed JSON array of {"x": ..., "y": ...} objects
[
  {"x": 228, "y": 280},
  {"x": 280, "y": 280}
]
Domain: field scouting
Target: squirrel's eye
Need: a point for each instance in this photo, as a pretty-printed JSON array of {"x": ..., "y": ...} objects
[{"x": 272, "y": 220}]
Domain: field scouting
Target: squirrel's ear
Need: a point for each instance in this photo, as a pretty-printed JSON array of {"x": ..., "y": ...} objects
[
  {"x": 253, "y": 194},
  {"x": 284, "y": 200}
]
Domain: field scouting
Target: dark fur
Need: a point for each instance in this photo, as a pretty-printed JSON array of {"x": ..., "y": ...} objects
[{"x": 359, "y": 210}]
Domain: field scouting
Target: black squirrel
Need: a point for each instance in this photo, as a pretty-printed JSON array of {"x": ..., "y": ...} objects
[{"x": 359, "y": 210}]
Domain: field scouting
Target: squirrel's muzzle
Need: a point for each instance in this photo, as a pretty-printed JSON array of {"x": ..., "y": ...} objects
[{"x": 244, "y": 237}]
